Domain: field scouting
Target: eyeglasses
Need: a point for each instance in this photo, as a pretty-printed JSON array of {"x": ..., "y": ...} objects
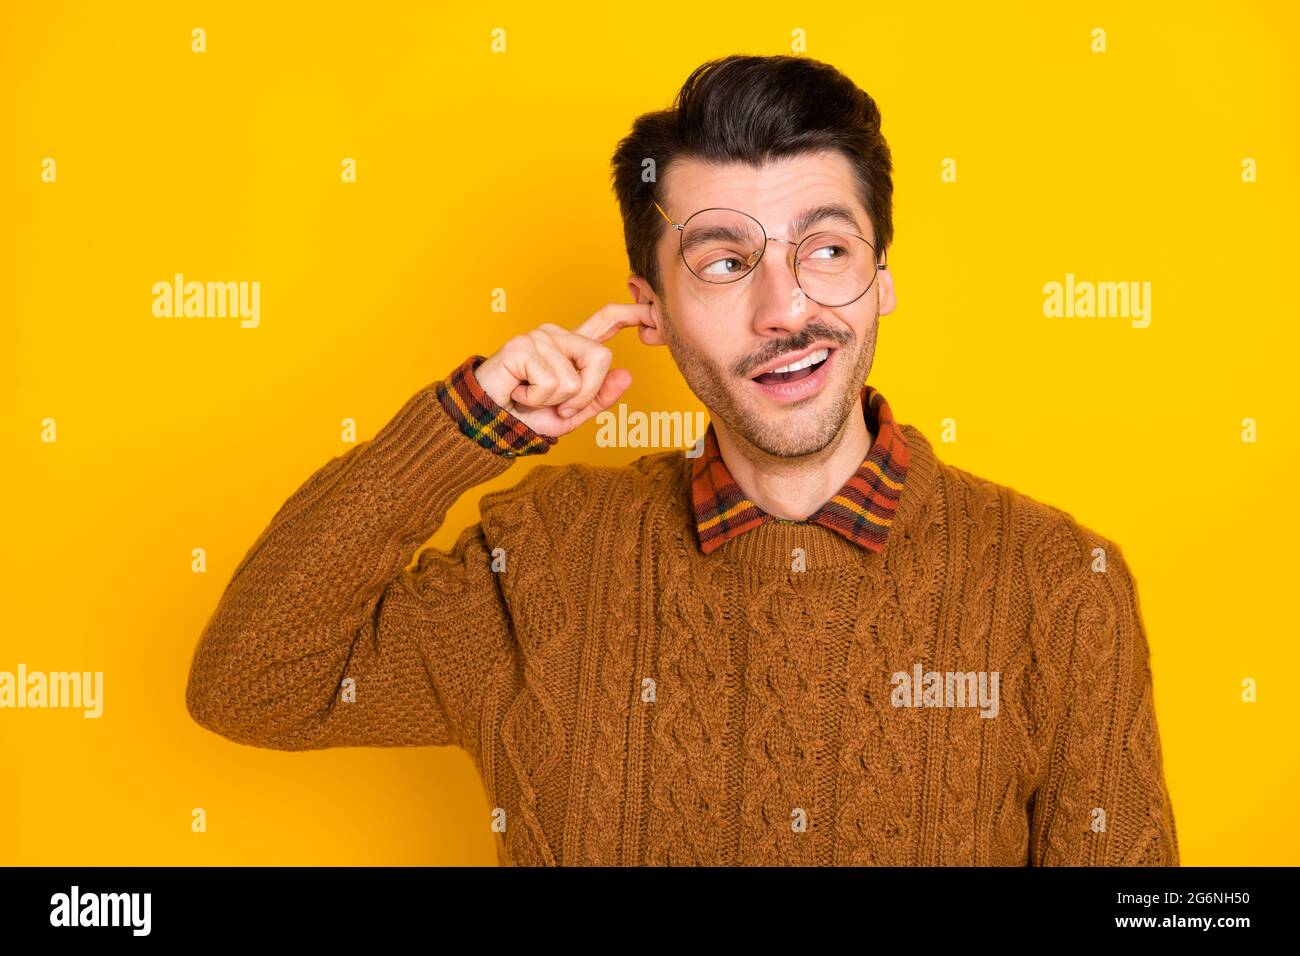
[{"x": 721, "y": 246}]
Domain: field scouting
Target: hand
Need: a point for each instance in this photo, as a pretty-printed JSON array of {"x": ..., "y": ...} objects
[{"x": 554, "y": 380}]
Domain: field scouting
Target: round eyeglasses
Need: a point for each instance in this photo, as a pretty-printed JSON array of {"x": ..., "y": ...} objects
[{"x": 719, "y": 246}]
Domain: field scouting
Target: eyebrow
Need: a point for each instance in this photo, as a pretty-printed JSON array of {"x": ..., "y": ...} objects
[
  {"x": 834, "y": 211},
  {"x": 698, "y": 237}
]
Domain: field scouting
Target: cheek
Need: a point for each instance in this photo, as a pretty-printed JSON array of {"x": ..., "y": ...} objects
[
  {"x": 862, "y": 317},
  {"x": 682, "y": 328},
  {"x": 693, "y": 341},
  {"x": 857, "y": 321}
]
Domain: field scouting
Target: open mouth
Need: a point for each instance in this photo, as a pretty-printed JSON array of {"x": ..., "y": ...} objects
[{"x": 795, "y": 370}]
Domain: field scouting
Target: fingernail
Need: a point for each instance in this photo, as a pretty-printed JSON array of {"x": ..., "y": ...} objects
[{"x": 566, "y": 412}]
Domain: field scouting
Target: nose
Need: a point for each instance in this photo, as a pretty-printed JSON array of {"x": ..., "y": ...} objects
[{"x": 779, "y": 304}]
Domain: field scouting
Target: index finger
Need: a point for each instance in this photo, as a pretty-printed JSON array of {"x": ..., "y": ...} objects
[{"x": 613, "y": 317}]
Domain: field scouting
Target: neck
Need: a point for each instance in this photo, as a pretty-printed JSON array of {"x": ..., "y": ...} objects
[{"x": 794, "y": 488}]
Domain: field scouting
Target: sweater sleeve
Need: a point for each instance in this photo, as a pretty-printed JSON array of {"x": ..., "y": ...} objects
[
  {"x": 323, "y": 637},
  {"x": 1104, "y": 799}
]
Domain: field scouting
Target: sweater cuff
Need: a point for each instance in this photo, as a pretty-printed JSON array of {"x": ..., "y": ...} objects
[{"x": 483, "y": 420}]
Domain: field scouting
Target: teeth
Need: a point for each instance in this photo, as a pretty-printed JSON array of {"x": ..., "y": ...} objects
[{"x": 819, "y": 356}]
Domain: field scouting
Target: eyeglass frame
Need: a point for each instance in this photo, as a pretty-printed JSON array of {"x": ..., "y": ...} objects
[{"x": 761, "y": 253}]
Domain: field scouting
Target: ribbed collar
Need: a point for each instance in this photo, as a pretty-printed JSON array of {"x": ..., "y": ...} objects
[{"x": 862, "y": 511}]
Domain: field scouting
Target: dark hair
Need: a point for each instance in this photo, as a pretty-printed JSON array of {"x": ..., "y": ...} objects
[{"x": 752, "y": 109}]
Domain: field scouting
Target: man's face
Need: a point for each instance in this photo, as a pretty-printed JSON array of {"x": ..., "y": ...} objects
[{"x": 722, "y": 336}]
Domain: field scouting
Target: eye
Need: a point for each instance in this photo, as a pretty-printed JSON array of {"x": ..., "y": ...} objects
[
  {"x": 828, "y": 252},
  {"x": 736, "y": 265}
]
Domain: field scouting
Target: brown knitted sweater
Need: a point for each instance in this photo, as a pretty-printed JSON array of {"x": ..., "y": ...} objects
[{"x": 628, "y": 699}]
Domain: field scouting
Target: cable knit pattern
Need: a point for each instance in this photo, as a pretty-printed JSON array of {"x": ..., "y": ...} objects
[
  {"x": 692, "y": 812},
  {"x": 629, "y": 699},
  {"x": 979, "y": 509}
]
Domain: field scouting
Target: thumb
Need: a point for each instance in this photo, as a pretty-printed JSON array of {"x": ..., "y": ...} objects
[{"x": 616, "y": 383}]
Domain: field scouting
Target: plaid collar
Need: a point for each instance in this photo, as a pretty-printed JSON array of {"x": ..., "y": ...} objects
[{"x": 861, "y": 511}]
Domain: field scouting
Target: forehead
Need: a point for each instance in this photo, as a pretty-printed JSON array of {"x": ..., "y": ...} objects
[{"x": 774, "y": 193}]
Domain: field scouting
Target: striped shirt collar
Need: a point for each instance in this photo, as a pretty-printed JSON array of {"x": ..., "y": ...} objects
[{"x": 862, "y": 511}]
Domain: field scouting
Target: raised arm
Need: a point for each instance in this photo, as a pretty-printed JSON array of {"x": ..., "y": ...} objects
[{"x": 322, "y": 638}]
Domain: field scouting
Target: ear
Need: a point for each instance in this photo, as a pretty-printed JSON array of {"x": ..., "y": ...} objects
[
  {"x": 652, "y": 334},
  {"x": 885, "y": 292}
]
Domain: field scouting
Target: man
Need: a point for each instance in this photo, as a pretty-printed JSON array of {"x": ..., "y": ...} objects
[{"x": 814, "y": 643}]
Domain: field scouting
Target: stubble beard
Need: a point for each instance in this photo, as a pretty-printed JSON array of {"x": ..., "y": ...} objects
[{"x": 805, "y": 431}]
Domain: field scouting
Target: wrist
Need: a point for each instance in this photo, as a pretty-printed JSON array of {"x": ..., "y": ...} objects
[
  {"x": 495, "y": 386},
  {"x": 483, "y": 419}
]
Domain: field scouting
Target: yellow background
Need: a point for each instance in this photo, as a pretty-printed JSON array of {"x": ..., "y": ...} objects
[{"x": 479, "y": 170}]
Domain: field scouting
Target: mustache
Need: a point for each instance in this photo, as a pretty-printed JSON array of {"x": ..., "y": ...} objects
[{"x": 806, "y": 337}]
